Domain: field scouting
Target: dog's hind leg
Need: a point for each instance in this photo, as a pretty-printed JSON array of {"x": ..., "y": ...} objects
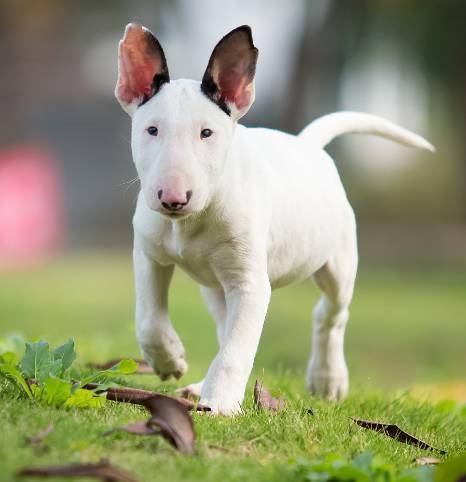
[
  {"x": 215, "y": 300},
  {"x": 327, "y": 373}
]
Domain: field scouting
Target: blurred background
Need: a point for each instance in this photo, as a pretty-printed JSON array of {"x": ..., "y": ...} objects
[{"x": 67, "y": 196}]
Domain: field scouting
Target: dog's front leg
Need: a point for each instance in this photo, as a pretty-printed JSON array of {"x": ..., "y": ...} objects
[
  {"x": 156, "y": 336},
  {"x": 226, "y": 380}
]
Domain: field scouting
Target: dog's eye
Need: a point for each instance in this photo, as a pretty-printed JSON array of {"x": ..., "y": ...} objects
[
  {"x": 206, "y": 133},
  {"x": 152, "y": 131}
]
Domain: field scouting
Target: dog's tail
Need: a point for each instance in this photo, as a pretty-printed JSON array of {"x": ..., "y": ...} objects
[{"x": 326, "y": 128}]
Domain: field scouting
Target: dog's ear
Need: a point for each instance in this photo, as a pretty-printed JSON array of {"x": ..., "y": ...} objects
[
  {"x": 229, "y": 78},
  {"x": 142, "y": 68}
]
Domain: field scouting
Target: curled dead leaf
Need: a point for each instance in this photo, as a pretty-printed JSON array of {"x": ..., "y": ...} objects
[
  {"x": 170, "y": 419},
  {"x": 102, "y": 470},
  {"x": 395, "y": 432},
  {"x": 139, "y": 396},
  {"x": 173, "y": 420},
  {"x": 143, "y": 366},
  {"x": 39, "y": 437},
  {"x": 139, "y": 428},
  {"x": 263, "y": 399}
]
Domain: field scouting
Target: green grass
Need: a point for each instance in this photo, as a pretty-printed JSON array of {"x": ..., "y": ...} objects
[{"x": 407, "y": 328}]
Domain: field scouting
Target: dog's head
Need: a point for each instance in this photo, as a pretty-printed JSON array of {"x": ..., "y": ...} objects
[{"x": 182, "y": 130}]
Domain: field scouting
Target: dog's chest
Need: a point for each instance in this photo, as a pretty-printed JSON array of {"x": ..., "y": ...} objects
[{"x": 188, "y": 251}]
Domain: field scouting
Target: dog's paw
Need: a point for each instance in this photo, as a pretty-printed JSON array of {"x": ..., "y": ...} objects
[
  {"x": 165, "y": 354},
  {"x": 166, "y": 364},
  {"x": 192, "y": 392},
  {"x": 329, "y": 384},
  {"x": 222, "y": 406},
  {"x": 222, "y": 399}
]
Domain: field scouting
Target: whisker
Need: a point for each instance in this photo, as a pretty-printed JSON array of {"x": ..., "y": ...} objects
[{"x": 131, "y": 181}]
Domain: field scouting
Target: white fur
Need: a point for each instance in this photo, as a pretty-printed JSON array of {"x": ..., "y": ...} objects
[{"x": 267, "y": 209}]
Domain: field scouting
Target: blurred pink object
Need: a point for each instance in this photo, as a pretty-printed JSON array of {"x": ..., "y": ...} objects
[{"x": 31, "y": 213}]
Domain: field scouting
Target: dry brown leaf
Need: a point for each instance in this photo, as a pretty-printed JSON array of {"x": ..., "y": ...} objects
[
  {"x": 143, "y": 366},
  {"x": 427, "y": 461},
  {"x": 173, "y": 420},
  {"x": 39, "y": 437},
  {"x": 170, "y": 419},
  {"x": 396, "y": 433},
  {"x": 138, "y": 396},
  {"x": 102, "y": 470},
  {"x": 263, "y": 399},
  {"x": 139, "y": 428}
]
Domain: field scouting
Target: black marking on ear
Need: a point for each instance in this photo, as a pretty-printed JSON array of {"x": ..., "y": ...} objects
[
  {"x": 163, "y": 76},
  {"x": 208, "y": 86},
  {"x": 157, "y": 83},
  {"x": 211, "y": 90}
]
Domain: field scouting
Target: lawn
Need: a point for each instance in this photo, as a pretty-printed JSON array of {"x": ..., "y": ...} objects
[{"x": 406, "y": 334}]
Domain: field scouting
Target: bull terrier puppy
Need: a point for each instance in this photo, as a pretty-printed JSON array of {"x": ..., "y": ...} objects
[{"x": 241, "y": 210}]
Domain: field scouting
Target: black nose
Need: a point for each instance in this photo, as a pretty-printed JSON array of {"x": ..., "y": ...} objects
[{"x": 172, "y": 202}]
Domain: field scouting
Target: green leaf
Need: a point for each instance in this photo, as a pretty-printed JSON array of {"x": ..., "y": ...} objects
[
  {"x": 123, "y": 367},
  {"x": 10, "y": 371},
  {"x": 66, "y": 354},
  {"x": 55, "y": 391},
  {"x": 104, "y": 386},
  {"x": 36, "y": 391},
  {"x": 363, "y": 461},
  {"x": 39, "y": 363},
  {"x": 452, "y": 470},
  {"x": 9, "y": 358},
  {"x": 36, "y": 361},
  {"x": 83, "y": 398}
]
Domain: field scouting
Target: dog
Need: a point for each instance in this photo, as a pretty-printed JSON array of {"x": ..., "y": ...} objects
[{"x": 241, "y": 210}]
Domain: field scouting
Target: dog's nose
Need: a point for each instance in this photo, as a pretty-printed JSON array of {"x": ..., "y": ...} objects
[{"x": 173, "y": 201}]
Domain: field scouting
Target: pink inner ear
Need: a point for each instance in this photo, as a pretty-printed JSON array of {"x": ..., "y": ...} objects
[
  {"x": 137, "y": 65},
  {"x": 234, "y": 77},
  {"x": 235, "y": 88}
]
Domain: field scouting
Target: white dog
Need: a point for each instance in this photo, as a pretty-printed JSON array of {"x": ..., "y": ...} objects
[{"x": 241, "y": 210}]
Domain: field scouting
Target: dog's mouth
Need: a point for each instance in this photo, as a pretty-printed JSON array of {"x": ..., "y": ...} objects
[{"x": 180, "y": 214}]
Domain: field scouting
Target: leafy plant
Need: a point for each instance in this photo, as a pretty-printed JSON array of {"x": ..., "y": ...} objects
[
  {"x": 363, "y": 468},
  {"x": 8, "y": 368},
  {"x": 43, "y": 375}
]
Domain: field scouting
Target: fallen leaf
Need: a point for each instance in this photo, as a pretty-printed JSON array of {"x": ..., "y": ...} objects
[
  {"x": 263, "y": 399},
  {"x": 173, "y": 420},
  {"x": 140, "y": 428},
  {"x": 396, "y": 433},
  {"x": 170, "y": 419},
  {"x": 38, "y": 438},
  {"x": 102, "y": 470},
  {"x": 427, "y": 461},
  {"x": 143, "y": 366},
  {"x": 138, "y": 396}
]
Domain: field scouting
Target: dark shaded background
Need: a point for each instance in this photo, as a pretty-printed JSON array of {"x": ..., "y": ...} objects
[{"x": 401, "y": 59}]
